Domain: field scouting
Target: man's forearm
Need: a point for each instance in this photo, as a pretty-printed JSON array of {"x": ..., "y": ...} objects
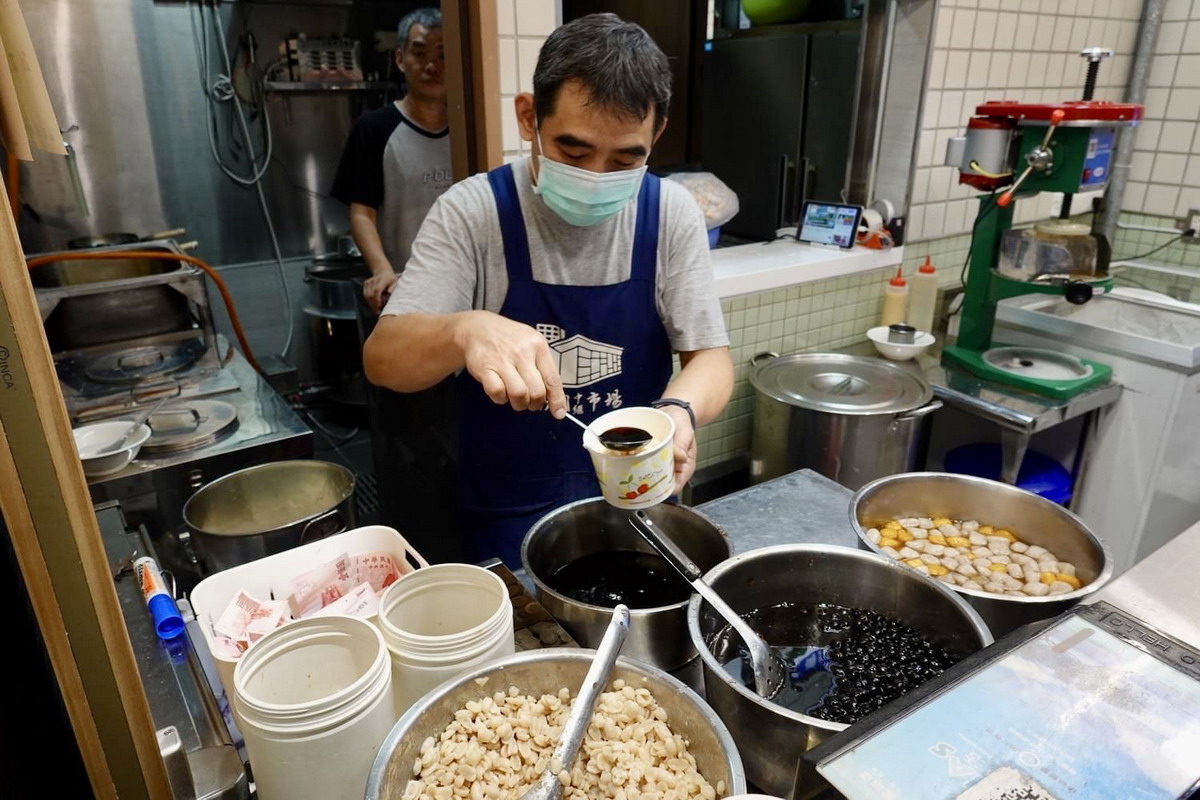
[
  {"x": 411, "y": 352},
  {"x": 706, "y": 382},
  {"x": 366, "y": 235}
]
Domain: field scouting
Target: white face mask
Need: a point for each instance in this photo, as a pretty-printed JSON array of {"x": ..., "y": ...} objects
[{"x": 582, "y": 197}]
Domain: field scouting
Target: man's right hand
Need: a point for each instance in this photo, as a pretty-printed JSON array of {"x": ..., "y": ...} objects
[
  {"x": 377, "y": 288},
  {"x": 511, "y": 361}
]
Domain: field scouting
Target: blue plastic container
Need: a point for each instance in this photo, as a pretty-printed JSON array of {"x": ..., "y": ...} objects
[
  {"x": 1039, "y": 473},
  {"x": 713, "y": 235}
]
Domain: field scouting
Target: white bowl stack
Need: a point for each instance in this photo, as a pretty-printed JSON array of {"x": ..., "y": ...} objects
[{"x": 92, "y": 440}]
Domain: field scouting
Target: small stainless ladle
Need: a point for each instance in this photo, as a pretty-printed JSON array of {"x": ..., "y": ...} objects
[
  {"x": 548, "y": 787},
  {"x": 770, "y": 671},
  {"x": 623, "y": 439}
]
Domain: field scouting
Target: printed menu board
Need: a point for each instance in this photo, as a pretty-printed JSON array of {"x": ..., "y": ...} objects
[{"x": 1074, "y": 713}]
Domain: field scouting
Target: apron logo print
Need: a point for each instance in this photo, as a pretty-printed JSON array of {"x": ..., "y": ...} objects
[{"x": 581, "y": 361}]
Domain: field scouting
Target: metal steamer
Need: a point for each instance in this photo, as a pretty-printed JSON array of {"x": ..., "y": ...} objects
[
  {"x": 1065, "y": 147},
  {"x": 128, "y": 332}
]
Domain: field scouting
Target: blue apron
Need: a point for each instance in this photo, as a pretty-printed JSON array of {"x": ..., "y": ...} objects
[{"x": 613, "y": 352}]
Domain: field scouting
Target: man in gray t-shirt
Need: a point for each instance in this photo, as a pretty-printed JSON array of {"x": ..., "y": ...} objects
[
  {"x": 397, "y": 159},
  {"x": 566, "y": 280}
]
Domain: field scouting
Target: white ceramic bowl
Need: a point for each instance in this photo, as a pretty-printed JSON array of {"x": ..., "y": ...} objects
[
  {"x": 896, "y": 351},
  {"x": 91, "y": 439}
]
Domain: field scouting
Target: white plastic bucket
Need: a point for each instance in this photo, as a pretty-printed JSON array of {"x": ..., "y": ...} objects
[
  {"x": 636, "y": 480},
  {"x": 315, "y": 701},
  {"x": 443, "y": 621}
]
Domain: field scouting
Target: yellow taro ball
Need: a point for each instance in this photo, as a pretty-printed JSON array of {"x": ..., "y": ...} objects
[
  {"x": 937, "y": 569},
  {"x": 888, "y": 541},
  {"x": 940, "y": 521},
  {"x": 904, "y": 535},
  {"x": 1048, "y": 578},
  {"x": 1069, "y": 579},
  {"x": 937, "y": 538}
]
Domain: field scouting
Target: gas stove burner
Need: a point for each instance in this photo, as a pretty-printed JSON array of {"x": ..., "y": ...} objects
[{"x": 139, "y": 364}]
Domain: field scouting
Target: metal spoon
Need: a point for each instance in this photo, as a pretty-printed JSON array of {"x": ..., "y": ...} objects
[
  {"x": 770, "y": 671},
  {"x": 548, "y": 786},
  {"x": 137, "y": 423},
  {"x": 624, "y": 439}
]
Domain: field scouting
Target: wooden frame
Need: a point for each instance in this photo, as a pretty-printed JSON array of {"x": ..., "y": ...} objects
[
  {"x": 48, "y": 512},
  {"x": 473, "y": 85}
]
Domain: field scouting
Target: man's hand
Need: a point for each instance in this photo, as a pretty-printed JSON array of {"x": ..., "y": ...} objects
[
  {"x": 511, "y": 361},
  {"x": 685, "y": 446},
  {"x": 377, "y": 288}
]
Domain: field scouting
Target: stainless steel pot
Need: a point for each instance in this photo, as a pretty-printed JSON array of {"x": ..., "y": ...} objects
[
  {"x": 267, "y": 509},
  {"x": 850, "y": 418},
  {"x": 1032, "y": 518},
  {"x": 332, "y": 292},
  {"x": 772, "y": 738},
  {"x": 545, "y": 672},
  {"x": 656, "y": 635}
]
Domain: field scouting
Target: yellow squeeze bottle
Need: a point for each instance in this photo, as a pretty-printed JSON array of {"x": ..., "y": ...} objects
[
  {"x": 923, "y": 298},
  {"x": 895, "y": 300}
]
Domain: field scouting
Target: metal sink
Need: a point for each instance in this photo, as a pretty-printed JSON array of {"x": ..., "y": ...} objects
[{"x": 1167, "y": 333}]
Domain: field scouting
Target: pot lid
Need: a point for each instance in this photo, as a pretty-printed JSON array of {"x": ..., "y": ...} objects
[
  {"x": 841, "y": 384},
  {"x": 187, "y": 424},
  {"x": 138, "y": 364}
]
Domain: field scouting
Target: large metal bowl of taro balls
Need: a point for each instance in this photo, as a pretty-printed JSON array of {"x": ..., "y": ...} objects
[{"x": 855, "y": 629}]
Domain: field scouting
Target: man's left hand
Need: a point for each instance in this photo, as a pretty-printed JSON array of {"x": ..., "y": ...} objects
[{"x": 685, "y": 446}]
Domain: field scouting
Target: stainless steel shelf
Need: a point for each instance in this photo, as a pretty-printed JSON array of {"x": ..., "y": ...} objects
[{"x": 313, "y": 87}]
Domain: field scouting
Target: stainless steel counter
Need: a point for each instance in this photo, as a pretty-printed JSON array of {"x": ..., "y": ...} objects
[
  {"x": 153, "y": 490},
  {"x": 1162, "y": 589},
  {"x": 263, "y": 417},
  {"x": 1018, "y": 414},
  {"x": 206, "y": 765}
]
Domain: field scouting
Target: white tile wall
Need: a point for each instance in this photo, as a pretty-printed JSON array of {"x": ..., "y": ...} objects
[
  {"x": 522, "y": 26},
  {"x": 1166, "y": 180},
  {"x": 1027, "y": 50}
]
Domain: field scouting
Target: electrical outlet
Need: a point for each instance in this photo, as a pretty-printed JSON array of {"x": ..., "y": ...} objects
[{"x": 1192, "y": 223}]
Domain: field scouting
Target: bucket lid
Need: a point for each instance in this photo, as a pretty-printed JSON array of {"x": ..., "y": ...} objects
[{"x": 841, "y": 384}]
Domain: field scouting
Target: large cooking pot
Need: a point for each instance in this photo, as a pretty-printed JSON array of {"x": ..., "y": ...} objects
[
  {"x": 851, "y": 418},
  {"x": 263, "y": 510},
  {"x": 333, "y": 324},
  {"x": 772, "y": 738},
  {"x": 1032, "y": 518},
  {"x": 656, "y": 635}
]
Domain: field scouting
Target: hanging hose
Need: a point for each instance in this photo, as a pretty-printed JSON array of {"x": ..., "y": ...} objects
[{"x": 152, "y": 255}]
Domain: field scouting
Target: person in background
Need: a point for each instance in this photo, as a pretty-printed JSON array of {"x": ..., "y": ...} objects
[
  {"x": 565, "y": 280},
  {"x": 397, "y": 160}
]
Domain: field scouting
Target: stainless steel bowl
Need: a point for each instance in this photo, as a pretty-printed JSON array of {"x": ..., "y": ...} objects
[
  {"x": 656, "y": 635},
  {"x": 1032, "y": 518},
  {"x": 543, "y": 672},
  {"x": 772, "y": 738}
]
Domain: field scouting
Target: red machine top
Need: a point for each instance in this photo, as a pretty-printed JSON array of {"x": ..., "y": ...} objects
[{"x": 1076, "y": 113}]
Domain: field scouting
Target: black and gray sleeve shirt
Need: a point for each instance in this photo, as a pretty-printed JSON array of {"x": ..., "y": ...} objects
[{"x": 398, "y": 168}]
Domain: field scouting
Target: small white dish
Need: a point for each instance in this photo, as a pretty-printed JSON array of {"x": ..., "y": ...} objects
[
  {"x": 90, "y": 440},
  {"x": 896, "y": 351}
]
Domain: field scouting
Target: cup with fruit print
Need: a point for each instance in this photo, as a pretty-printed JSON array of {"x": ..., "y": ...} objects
[{"x": 642, "y": 477}]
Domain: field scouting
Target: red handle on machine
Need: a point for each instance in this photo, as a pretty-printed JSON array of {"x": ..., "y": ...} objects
[{"x": 1041, "y": 153}]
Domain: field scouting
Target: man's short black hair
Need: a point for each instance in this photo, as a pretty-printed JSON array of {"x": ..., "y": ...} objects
[
  {"x": 428, "y": 18},
  {"x": 621, "y": 68}
]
